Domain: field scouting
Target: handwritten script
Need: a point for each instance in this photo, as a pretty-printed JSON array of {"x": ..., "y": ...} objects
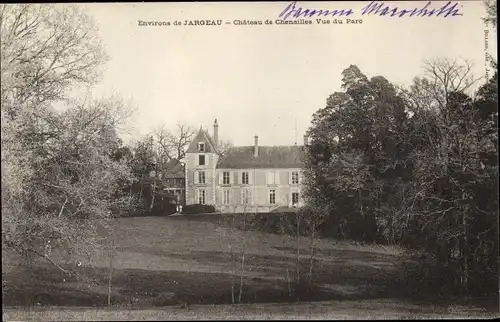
[{"x": 376, "y": 8}]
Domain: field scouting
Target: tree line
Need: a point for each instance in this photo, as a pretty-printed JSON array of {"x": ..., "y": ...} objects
[{"x": 413, "y": 166}]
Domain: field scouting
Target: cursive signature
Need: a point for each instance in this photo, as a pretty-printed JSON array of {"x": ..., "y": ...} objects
[
  {"x": 375, "y": 7},
  {"x": 381, "y": 9},
  {"x": 291, "y": 10}
]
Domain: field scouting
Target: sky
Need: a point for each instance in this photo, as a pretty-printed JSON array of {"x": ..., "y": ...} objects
[{"x": 265, "y": 80}]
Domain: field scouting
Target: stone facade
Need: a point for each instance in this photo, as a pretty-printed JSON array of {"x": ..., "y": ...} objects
[{"x": 244, "y": 179}]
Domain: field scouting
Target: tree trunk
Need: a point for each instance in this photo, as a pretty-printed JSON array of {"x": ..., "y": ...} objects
[
  {"x": 232, "y": 274},
  {"x": 141, "y": 184},
  {"x": 311, "y": 258},
  {"x": 288, "y": 276},
  {"x": 363, "y": 237},
  {"x": 242, "y": 258},
  {"x": 153, "y": 194},
  {"x": 109, "y": 278},
  {"x": 232, "y": 263},
  {"x": 465, "y": 254},
  {"x": 298, "y": 254}
]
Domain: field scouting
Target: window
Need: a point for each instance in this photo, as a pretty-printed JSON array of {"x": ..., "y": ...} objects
[
  {"x": 272, "y": 177},
  {"x": 272, "y": 196},
  {"x": 246, "y": 196},
  {"x": 295, "y": 198},
  {"x": 225, "y": 177},
  {"x": 201, "y": 147},
  {"x": 201, "y": 177},
  {"x": 201, "y": 159},
  {"x": 295, "y": 177},
  {"x": 201, "y": 197},
  {"x": 244, "y": 177},
  {"x": 225, "y": 196}
]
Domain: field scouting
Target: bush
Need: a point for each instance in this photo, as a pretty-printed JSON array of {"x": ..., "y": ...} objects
[{"x": 198, "y": 209}]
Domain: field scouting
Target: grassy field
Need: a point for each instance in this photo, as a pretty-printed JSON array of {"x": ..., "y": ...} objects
[{"x": 182, "y": 264}]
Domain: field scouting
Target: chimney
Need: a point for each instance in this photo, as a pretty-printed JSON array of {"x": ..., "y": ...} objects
[
  {"x": 306, "y": 139},
  {"x": 216, "y": 133},
  {"x": 256, "y": 147}
]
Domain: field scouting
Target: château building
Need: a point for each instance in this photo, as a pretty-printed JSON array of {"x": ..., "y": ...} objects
[{"x": 245, "y": 178}]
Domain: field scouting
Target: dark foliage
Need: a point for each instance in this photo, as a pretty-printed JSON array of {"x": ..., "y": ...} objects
[
  {"x": 198, "y": 209},
  {"x": 417, "y": 168}
]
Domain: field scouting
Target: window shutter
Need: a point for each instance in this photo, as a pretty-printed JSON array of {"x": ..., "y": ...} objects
[
  {"x": 196, "y": 196},
  {"x": 250, "y": 177},
  {"x": 250, "y": 196},
  {"x": 235, "y": 177},
  {"x": 196, "y": 177},
  {"x": 276, "y": 177},
  {"x": 268, "y": 177},
  {"x": 290, "y": 176},
  {"x": 220, "y": 174}
]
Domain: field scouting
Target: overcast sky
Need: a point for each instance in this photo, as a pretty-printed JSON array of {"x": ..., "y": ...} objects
[{"x": 265, "y": 80}]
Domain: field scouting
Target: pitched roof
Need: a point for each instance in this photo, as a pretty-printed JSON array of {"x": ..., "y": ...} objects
[
  {"x": 202, "y": 136},
  {"x": 175, "y": 169},
  {"x": 242, "y": 157}
]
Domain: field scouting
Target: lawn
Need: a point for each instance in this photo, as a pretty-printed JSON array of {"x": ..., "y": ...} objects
[{"x": 183, "y": 263}]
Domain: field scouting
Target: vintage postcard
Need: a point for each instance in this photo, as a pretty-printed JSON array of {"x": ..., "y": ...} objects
[{"x": 249, "y": 160}]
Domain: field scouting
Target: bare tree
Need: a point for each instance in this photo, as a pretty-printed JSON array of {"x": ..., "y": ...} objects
[
  {"x": 243, "y": 249},
  {"x": 314, "y": 217},
  {"x": 171, "y": 145},
  {"x": 442, "y": 77},
  {"x": 222, "y": 147},
  {"x": 47, "y": 49},
  {"x": 284, "y": 229},
  {"x": 456, "y": 138},
  {"x": 248, "y": 220}
]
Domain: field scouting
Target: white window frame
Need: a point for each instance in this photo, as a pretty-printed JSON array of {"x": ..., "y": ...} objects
[
  {"x": 246, "y": 197},
  {"x": 226, "y": 196},
  {"x": 201, "y": 196},
  {"x": 228, "y": 177},
  {"x": 201, "y": 144},
  {"x": 272, "y": 192},
  {"x": 204, "y": 181},
  {"x": 297, "y": 177},
  {"x": 243, "y": 173},
  {"x": 298, "y": 198}
]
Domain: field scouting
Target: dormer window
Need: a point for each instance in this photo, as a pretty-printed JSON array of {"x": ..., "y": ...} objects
[{"x": 201, "y": 146}]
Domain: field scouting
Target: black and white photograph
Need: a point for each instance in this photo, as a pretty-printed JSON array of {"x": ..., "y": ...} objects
[{"x": 277, "y": 160}]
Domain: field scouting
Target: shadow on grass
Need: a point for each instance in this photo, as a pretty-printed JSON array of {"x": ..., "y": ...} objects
[
  {"x": 265, "y": 282},
  {"x": 140, "y": 288},
  {"x": 145, "y": 288}
]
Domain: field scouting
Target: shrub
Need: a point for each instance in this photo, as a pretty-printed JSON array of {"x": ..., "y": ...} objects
[{"x": 198, "y": 209}]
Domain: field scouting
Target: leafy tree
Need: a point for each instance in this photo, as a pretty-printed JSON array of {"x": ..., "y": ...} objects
[
  {"x": 63, "y": 188},
  {"x": 417, "y": 167},
  {"x": 59, "y": 175},
  {"x": 491, "y": 13},
  {"x": 356, "y": 152}
]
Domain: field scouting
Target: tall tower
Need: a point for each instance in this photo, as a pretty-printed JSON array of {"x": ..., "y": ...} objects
[{"x": 201, "y": 160}]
